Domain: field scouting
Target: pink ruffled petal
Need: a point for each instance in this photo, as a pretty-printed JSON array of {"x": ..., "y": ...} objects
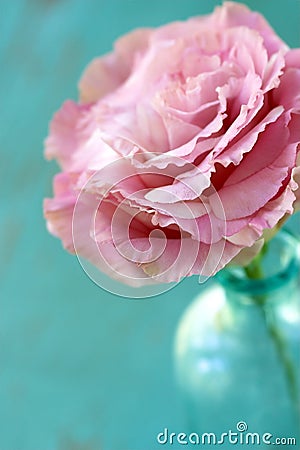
[
  {"x": 233, "y": 14},
  {"x": 104, "y": 75},
  {"x": 234, "y": 153},
  {"x": 65, "y": 134},
  {"x": 245, "y": 256},
  {"x": 59, "y": 210},
  {"x": 292, "y": 58}
]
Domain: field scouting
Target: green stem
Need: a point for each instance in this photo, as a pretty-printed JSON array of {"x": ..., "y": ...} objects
[
  {"x": 284, "y": 357},
  {"x": 255, "y": 271}
]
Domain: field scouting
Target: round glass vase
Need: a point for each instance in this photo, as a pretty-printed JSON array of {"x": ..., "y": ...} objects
[{"x": 237, "y": 351}]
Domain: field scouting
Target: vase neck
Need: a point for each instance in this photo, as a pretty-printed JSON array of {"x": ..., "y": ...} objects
[{"x": 280, "y": 269}]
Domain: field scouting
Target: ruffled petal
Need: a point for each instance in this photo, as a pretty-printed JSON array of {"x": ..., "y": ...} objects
[
  {"x": 65, "y": 134},
  {"x": 104, "y": 75}
]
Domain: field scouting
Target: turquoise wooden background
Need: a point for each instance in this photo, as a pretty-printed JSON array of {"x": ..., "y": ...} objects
[{"x": 80, "y": 369}]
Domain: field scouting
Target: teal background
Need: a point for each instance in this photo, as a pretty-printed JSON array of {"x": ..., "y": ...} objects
[{"x": 80, "y": 369}]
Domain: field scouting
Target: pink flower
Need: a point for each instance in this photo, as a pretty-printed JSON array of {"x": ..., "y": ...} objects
[{"x": 182, "y": 149}]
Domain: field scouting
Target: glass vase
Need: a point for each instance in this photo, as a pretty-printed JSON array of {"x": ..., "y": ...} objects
[{"x": 237, "y": 354}]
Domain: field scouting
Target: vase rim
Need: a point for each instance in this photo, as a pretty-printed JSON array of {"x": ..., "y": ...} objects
[{"x": 234, "y": 278}]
